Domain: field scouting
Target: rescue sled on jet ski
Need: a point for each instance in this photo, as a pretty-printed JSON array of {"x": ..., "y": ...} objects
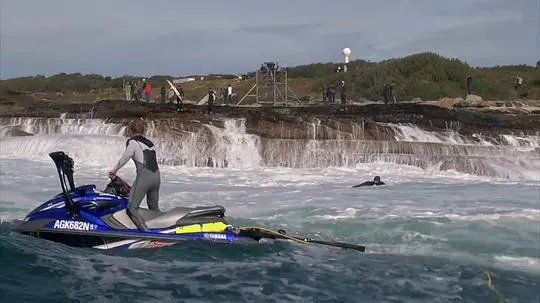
[{"x": 86, "y": 217}]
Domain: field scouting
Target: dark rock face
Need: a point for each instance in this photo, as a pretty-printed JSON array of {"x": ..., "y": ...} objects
[
  {"x": 301, "y": 137},
  {"x": 15, "y": 132},
  {"x": 365, "y": 122}
]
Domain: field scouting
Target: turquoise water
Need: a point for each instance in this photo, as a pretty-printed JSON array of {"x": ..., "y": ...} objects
[
  {"x": 429, "y": 238},
  {"x": 263, "y": 273}
]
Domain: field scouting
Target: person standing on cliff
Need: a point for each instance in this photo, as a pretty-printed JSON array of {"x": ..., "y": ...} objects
[
  {"x": 148, "y": 92},
  {"x": 469, "y": 85},
  {"x": 223, "y": 96},
  {"x": 331, "y": 93},
  {"x": 127, "y": 90},
  {"x": 142, "y": 90},
  {"x": 328, "y": 93},
  {"x": 229, "y": 94},
  {"x": 343, "y": 93},
  {"x": 385, "y": 94},
  {"x": 392, "y": 96},
  {"x": 179, "y": 99},
  {"x": 132, "y": 90},
  {"x": 136, "y": 91},
  {"x": 211, "y": 100},
  {"x": 519, "y": 82},
  {"x": 163, "y": 92}
]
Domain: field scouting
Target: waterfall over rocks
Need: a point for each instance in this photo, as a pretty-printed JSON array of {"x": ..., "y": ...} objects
[{"x": 237, "y": 143}]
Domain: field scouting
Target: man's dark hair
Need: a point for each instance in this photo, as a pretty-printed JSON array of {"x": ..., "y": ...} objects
[{"x": 137, "y": 127}]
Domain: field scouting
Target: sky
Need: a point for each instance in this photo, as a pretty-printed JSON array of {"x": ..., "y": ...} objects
[{"x": 182, "y": 37}]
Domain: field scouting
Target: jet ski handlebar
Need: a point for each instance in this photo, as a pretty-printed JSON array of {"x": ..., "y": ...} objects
[{"x": 118, "y": 186}]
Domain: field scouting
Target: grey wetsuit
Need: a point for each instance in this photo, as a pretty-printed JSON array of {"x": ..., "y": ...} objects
[{"x": 148, "y": 180}]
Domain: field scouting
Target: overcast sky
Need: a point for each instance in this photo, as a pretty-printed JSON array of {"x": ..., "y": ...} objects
[{"x": 179, "y": 37}]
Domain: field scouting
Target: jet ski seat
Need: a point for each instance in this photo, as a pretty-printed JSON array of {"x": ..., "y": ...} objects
[
  {"x": 169, "y": 218},
  {"x": 156, "y": 219}
]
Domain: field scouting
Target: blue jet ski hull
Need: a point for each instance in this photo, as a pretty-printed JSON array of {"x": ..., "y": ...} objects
[
  {"x": 85, "y": 217},
  {"x": 101, "y": 222}
]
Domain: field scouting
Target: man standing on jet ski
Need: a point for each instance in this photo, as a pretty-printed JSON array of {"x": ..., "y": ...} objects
[
  {"x": 148, "y": 180},
  {"x": 376, "y": 181}
]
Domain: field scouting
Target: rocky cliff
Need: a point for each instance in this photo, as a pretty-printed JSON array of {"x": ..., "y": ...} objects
[
  {"x": 482, "y": 142},
  {"x": 364, "y": 122}
]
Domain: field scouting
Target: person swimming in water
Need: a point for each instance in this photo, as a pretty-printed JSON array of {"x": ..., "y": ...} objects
[{"x": 376, "y": 181}]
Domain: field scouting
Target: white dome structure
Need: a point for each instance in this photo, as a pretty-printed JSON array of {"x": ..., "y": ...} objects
[{"x": 347, "y": 53}]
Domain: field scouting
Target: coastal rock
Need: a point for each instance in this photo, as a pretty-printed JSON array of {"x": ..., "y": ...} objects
[
  {"x": 331, "y": 121},
  {"x": 447, "y": 102},
  {"x": 364, "y": 100},
  {"x": 470, "y": 101},
  {"x": 518, "y": 110},
  {"x": 473, "y": 98},
  {"x": 302, "y": 137},
  {"x": 14, "y": 131}
]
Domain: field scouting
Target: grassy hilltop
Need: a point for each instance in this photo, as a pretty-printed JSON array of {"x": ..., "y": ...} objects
[{"x": 425, "y": 75}]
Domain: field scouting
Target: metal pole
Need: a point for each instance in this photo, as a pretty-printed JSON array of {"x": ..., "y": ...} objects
[
  {"x": 274, "y": 82},
  {"x": 246, "y": 95},
  {"x": 286, "y": 88},
  {"x": 257, "y": 89}
]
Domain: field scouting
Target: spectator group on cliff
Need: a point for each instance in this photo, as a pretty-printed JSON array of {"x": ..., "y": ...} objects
[
  {"x": 138, "y": 91},
  {"x": 142, "y": 91},
  {"x": 329, "y": 93}
]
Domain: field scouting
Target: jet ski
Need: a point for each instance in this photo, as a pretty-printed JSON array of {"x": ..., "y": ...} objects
[{"x": 86, "y": 217}]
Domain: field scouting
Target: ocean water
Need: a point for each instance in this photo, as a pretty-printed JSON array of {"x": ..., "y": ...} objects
[{"x": 430, "y": 236}]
